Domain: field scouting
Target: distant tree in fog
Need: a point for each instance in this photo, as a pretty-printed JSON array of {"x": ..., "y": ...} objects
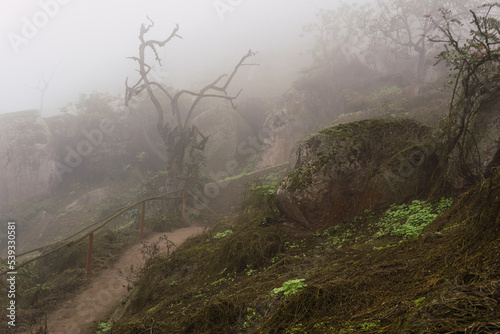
[
  {"x": 340, "y": 34},
  {"x": 405, "y": 26},
  {"x": 475, "y": 65},
  {"x": 354, "y": 32},
  {"x": 43, "y": 85}
]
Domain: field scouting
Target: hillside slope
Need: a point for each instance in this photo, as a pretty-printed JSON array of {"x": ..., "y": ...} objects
[{"x": 417, "y": 267}]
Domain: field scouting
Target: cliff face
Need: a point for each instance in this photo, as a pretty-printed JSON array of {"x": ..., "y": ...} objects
[
  {"x": 347, "y": 169},
  {"x": 486, "y": 144},
  {"x": 27, "y": 157},
  {"x": 297, "y": 115},
  {"x": 228, "y": 138}
]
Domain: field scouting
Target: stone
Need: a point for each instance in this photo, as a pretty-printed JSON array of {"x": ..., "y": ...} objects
[{"x": 342, "y": 171}]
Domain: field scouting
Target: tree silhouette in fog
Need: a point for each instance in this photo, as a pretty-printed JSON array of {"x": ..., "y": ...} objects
[{"x": 183, "y": 141}]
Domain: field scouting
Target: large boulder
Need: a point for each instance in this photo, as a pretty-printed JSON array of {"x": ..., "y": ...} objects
[
  {"x": 484, "y": 146},
  {"x": 344, "y": 170}
]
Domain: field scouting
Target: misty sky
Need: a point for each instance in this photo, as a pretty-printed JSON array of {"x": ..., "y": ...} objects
[{"x": 85, "y": 44}]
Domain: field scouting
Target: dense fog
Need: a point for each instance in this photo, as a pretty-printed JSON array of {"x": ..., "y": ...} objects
[{"x": 65, "y": 48}]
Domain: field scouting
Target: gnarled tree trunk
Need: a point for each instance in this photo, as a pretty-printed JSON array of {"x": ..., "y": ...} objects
[{"x": 182, "y": 139}]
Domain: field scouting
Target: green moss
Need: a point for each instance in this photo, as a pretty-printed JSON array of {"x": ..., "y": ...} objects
[
  {"x": 211, "y": 285},
  {"x": 374, "y": 140}
]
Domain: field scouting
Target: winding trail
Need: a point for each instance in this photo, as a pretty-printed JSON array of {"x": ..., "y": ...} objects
[{"x": 99, "y": 300}]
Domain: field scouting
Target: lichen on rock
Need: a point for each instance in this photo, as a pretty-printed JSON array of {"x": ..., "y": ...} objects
[{"x": 346, "y": 169}]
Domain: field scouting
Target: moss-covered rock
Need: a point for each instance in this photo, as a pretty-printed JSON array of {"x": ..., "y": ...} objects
[{"x": 349, "y": 168}]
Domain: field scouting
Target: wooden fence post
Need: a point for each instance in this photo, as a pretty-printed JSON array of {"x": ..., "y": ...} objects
[
  {"x": 89, "y": 254},
  {"x": 143, "y": 212}
]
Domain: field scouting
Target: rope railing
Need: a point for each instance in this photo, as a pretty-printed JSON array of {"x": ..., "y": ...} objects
[{"x": 90, "y": 234}]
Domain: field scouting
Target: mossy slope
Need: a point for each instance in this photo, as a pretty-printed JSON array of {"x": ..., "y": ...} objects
[{"x": 444, "y": 281}]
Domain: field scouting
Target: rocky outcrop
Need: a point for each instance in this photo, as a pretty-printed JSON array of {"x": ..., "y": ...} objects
[
  {"x": 27, "y": 157},
  {"x": 486, "y": 143},
  {"x": 297, "y": 115},
  {"x": 344, "y": 170},
  {"x": 229, "y": 138}
]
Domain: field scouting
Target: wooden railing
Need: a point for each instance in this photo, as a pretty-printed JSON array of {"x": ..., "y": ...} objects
[
  {"x": 91, "y": 229},
  {"x": 71, "y": 240}
]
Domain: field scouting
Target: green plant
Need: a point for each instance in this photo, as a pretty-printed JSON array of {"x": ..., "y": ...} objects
[
  {"x": 264, "y": 193},
  {"x": 164, "y": 222},
  {"x": 103, "y": 327},
  {"x": 366, "y": 326},
  {"x": 249, "y": 318},
  {"x": 299, "y": 328},
  {"x": 418, "y": 301},
  {"x": 141, "y": 157},
  {"x": 151, "y": 183},
  {"x": 290, "y": 287},
  {"x": 224, "y": 234},
  {"x": 408, "y": 220},
  {"x": 474, "y": 63}
]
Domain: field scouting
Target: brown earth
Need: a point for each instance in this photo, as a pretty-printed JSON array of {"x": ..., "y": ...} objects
[{"x": 98, "y": 301}]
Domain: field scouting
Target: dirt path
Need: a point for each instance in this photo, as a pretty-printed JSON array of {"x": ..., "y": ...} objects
[{"x": 99, "y": 300}]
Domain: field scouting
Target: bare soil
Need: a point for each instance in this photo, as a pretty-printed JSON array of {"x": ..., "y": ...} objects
[{"x": 81, "y": 314}]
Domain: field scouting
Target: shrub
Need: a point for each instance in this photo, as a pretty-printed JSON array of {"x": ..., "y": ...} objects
[
  {"x": 408, "y": 220},
  {"x": 290, "y": 287}
]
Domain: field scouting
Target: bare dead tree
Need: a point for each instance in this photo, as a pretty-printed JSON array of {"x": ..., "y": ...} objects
[
  {"x": 182, "y": 139},
  {"x": 475, "y": 65},
  {"x": 405, "y": 25},
  {"x": 43, "y": 85}
]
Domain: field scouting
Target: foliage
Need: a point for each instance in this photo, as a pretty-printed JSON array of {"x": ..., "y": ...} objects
[
  {"x": 164, "y": 222},
  {"x": 259, "y": 202},
  {"x": 27, "y": 212},
  {"x": 263, "y": 193},
  {"x": 150, "y": 184},
  {"x": 367, "y": 32},
  {"x": 418, "y": 301},
  {"x": 249, "y": 318},
  {"x": 408, "y": 220},
  {"x": 339, "y": 34},
  {"x": 25, "y": 130},
  {"x": 366, "y": 326},
  {"x": 223, "y": 234},
  {"x": 353, "y": 289},
  {"x": 290, "y": 287},
  {"x": 103, "y": 327},
  {"x": 93, "y": 104},
  {"x": 475, "y": 64}
]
